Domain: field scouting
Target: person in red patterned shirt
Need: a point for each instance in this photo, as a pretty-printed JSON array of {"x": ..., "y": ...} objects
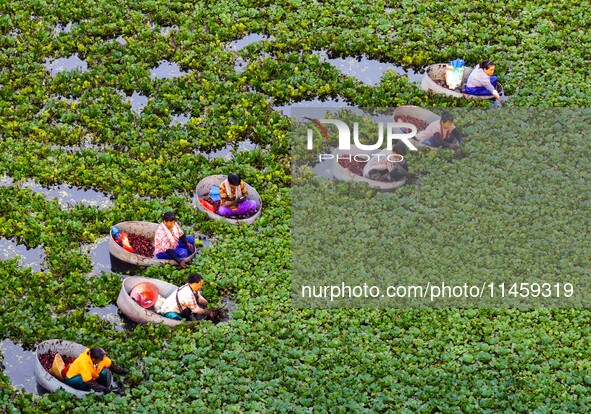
[{"x": 170, "y": 242}]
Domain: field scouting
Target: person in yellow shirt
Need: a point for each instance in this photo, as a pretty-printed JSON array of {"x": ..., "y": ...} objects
[
  {"x": 234, "y": 197},
  {"x": 90, "y": 371}
]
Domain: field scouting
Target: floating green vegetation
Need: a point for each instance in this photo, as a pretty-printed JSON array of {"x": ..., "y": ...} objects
[{"x": 270, "y": 357}]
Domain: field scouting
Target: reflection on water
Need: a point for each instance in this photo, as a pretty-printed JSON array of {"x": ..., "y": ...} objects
[
  {"x": 167, "y": 70},
  {"x": 33, "y": 258},
  {"x": 56, "y": 66},
  {"x": 19, "y": 366},
  {"x": 124, "y": 268},
  {"x": 368, "y": 71}
]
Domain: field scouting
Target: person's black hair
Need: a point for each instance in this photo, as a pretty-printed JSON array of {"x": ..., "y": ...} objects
[
  {"x": 97, "y": 353},
  {"x": 485, "y": 64},
  {"x": 169, "y": 216},
  {"x": 446, "y": 117},
  {"x": 400, "y": 148},
  {"x": 234, "y": 179},
  {"x": 194, "y": 278}
]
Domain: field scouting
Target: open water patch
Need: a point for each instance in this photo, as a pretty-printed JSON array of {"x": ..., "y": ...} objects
[
  {"x": 6, "y": 181},
  {"x": 167, "y": 70},
  {"x": 68, "y": 196},
  {"x": 121, "y": 40},
  {"x": 138, "y": 102},
  {"x": 110, "y": 313},
  {"x": 239, "y": 44},
  {"x": 180, "y": 119},
  {"x": 324, "y": 169},
  {"x": 71, "y": 63},
  {"x": 240, "y": 63},
  {"x": 28, "y": 257},
  {"x": 61, "y": 28},
  {"x": 331, "y": 105},
  {"x": 366, "y": 70},
  {"x": 86, "y": 143},
  {"x": 230, "y": 150},
  {"x": 19, "y": 366},
  {"x": 82, "y": 147},
  {"x": 98, "y": 253},
  {"x": 228, "y": 305},
  {"x": 206, "y": 241},
  {"x": 166, "y": 30}
]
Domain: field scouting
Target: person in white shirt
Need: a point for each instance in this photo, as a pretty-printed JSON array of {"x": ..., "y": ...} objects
[
  {"x": 440, "y": 133},
  {"x": 187, "y": 302},
  {"x": 481, "y": 81}
]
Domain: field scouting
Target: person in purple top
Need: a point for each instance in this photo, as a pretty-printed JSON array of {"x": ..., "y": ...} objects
[
  {"x": 235, "y": 201},
  {"x": 481, "y": 81}
]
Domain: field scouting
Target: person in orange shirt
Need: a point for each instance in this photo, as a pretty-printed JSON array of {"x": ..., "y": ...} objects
[
  {"x": 234, "y": 197},
  {"x": 90, "y": 371}
]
